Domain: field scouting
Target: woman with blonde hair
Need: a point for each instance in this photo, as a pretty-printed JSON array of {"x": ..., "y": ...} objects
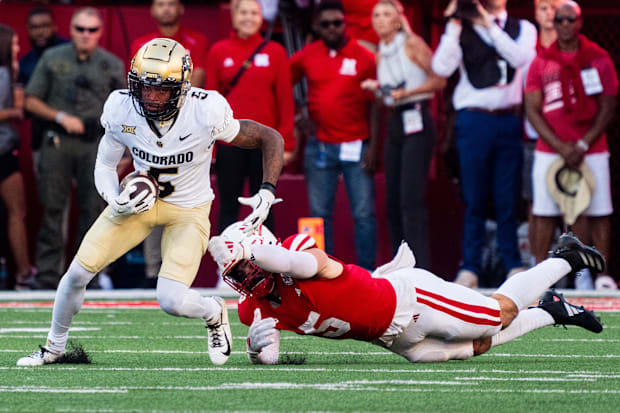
[
  {"x": 11, "y": 180},
  {"x": 406, "y": 84},
  {"x": 253, "y": 74}
]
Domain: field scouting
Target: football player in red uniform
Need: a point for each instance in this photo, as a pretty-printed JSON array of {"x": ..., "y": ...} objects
[{"x": 296, "y": 286}]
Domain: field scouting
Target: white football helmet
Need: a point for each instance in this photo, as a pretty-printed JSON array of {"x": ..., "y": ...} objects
[{"x": 246, "y": 277}]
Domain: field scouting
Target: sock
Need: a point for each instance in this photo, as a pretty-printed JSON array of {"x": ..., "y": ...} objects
[
  {"x": 431, "y": 350},
  {"x": 68, "y": 301},
  {"x": 526, "y": 321},
  {"x": 583, "y": 280},
  {"x": 178, "y": 299},
  {"x": 526, "y": 287}
]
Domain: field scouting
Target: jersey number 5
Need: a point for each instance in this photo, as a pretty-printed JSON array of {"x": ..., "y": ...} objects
[
  {"x": 330, "y": 327},
  {"x": 166, "y": 188}
]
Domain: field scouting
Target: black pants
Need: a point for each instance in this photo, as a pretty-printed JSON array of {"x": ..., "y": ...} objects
[
  {"x": 407, "y": 162},
  {"x": 232, "y": 166}
]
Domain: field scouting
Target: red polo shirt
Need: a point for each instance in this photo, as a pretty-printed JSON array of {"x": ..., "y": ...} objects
[
  {"x": 194, "y": 41},
  {"x": 544, "y": 75},
  {"x": 337, "y": 103},
  {"x": 264, "y": 92}
]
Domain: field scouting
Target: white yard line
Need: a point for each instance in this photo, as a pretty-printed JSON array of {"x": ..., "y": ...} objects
[
  {"x": 284, "y": 368},
  {"x": 363, "y": 385}
]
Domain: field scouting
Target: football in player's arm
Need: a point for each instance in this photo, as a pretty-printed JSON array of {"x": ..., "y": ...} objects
[
  {"x": 169, "y": 129},
  {"x": 295, "y": 286}
]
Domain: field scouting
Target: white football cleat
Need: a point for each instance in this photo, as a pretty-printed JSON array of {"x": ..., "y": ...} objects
[
  {"x": 220, "y": 337},
  {"x": 41, "y": 357},
  {"x": 467, "y": 279}
]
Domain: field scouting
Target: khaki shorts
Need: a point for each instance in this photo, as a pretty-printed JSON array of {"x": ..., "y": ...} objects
[
  {"x": 600, "y": 205},
  {"x": 184, "y": 242}
]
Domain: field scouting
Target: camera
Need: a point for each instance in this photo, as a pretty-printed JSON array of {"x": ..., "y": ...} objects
[
  {"x": 466, "y": 9},
  {"x": 386, "y": 90}
]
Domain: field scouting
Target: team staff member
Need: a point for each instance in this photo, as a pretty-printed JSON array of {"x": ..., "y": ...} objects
[
  {"x": 345, "y": 141},
  {"x": 404, "y": 75},
  {"x": 261, "y": 92},
  {"x": 571, "y": 99},
  {"x": 168, "y": 14},
  {"x": 68, "y": 89}
]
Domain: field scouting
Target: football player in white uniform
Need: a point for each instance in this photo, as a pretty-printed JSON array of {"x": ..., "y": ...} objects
[{"x": 170, "y": 129}]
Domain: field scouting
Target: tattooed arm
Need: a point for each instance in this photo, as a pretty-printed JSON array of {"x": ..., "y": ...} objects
[{"x": 253, "y": 135}]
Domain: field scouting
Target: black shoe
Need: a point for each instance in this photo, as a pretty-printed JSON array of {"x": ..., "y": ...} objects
[
  {"x": 149, "y": 282},
  {"x": 578, "y": 255},
  {"x": 568, "y": 314}
]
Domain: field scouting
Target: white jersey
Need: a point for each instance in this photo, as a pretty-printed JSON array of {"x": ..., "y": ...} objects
[{"x": 181, "y": 158}]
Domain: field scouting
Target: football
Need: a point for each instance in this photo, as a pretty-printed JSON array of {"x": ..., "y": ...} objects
[{"x": 141, "y": 181}]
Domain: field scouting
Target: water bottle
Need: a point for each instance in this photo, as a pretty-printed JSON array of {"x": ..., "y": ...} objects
[{"x": 3, "y": 273}]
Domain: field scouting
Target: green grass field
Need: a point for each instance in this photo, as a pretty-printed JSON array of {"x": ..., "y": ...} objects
[{"x": 146, "y": 361}]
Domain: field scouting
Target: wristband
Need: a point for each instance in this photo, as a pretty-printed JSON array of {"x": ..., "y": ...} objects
[
  {"x": 268, "y": 186},
  {"x": 60, "y": 116},
  {"x": 581, "y": 144}
]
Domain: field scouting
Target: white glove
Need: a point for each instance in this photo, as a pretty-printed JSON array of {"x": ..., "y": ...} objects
[
  {"x": 228, "y": 253},
  {"x": 124, "y": 205},
  {"x": 260, "y": 203},
  {"x": 262, "y": 333}
]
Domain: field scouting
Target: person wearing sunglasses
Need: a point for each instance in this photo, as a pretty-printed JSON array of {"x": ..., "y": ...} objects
[
  {"x": 344, "y": 141},
  {"x": 570, "y": 99},
  {"x": 42, "y": 35},
  {"x": 67, "y": 90},
  {"x": 490, "y": 51}
]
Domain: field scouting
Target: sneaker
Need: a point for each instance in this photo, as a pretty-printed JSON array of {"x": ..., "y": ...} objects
[
  {"x": 578, "y": 255},
  {"x": 220, "y": 337},
  {"x": 41, "y": 357},
  {"x": 568, "y": 314},
  {"x": 467, "y": 279}
]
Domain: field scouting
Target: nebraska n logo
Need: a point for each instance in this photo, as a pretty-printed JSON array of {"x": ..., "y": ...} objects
[{"x": 129, "y": 129}]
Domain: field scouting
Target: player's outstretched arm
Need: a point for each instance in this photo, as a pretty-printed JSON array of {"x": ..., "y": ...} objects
[
  {"x": 309, "y": 263},
  {"x": 253, "y": 135}
]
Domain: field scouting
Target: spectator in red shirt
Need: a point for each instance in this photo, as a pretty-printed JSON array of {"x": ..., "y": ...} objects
[
  {"x": 570, "y": 98},
  {"x": 334, "y": 67},
  {"x": 260, "y": 91},
  {"x": 168, "y": 14}
]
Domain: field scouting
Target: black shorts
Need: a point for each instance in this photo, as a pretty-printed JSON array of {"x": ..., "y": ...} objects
[{"x": 9, "y": 164}]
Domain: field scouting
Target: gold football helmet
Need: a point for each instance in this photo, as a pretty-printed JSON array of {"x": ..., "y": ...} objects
[{"x": 159, "y": 78}]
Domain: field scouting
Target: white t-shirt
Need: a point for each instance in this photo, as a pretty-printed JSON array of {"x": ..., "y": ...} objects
[{"x": 181, "y": 158}]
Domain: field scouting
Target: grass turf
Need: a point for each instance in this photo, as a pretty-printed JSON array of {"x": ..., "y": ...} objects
[{"x": 146, "y": 361}]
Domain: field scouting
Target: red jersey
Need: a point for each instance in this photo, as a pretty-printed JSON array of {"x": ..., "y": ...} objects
[
  {"x": 264, "y": 92},
  {"x": 336, "y": 308},
  {"x": 195, "y": 42},
  {"x": 545, "y": 75},
  {"x": 336, "y": 101}
]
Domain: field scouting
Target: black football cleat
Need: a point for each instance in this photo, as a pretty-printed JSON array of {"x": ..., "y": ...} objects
[
  {"x": 567, "y": 314},
  {"x": 578, "y": 255}
]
